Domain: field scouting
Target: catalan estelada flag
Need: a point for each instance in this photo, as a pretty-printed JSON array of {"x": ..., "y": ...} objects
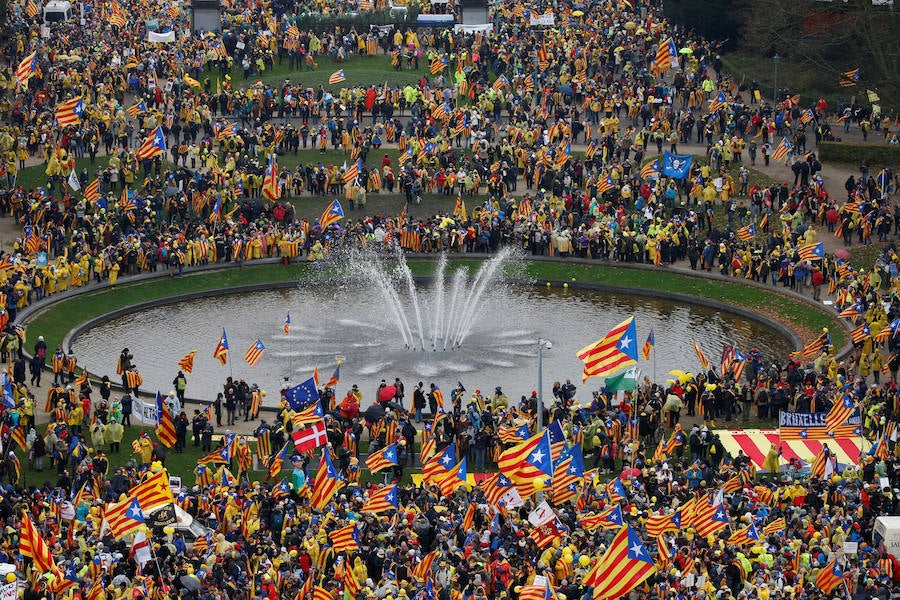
[
  {"x": 345, "y": 539},
  {"x": 153, "y": 145},
  {"x": 649, "y": 170},
  {"x": 337, "y": 77},
  {"x": 32, "y": 545},
  {"x": 744, "y": 535},
  {"x": 92, "y": 191},
  {"x": 423, "y": 568},
  {"x": 381, "y": 500},
  {"x": 333, "y": 213},
  {"x": 859, "y": 334},
  {"x": 710, "y": 518},
  {"x": 720, "y": 101},
  {"x": 221, "y": 351},
  {"x": 254, "y": 353},
  {"x": 812, "y": 251},
  {"x": 271, "y": 183},
  {"x": 648, "y": 345},
  {"x": 335, "y": 377},
  {"x": 28, "y": 66},
  {"x": 165, "y": 424},
  {"x": 287, "y": 324},
  {"x": 610, "y": 517},
  {"x": 830, "y": 577},
  {"x": 124, "y": 517},
  {"x": 616, "y": 350},
  {"x": 625, "y": 566},
  {"x": 69, "y": 112},
  {"x": 659, "y": 524},
  {"x": 782, "y": 150},
  {"x": 666, "y": 55},
  {"x": 704, "y": 362},
  {"x": 382, "y": 459},
  {"x": 154, "y": 490},
  {"x": 529, "y": 460},
  {"x": 455, "y": 478},
  {"x": 326, "y": 484},
  {"x": 840, "y": 412},
  {"x": 136, "y": 109},
  {"x": 776, "y": 526}
]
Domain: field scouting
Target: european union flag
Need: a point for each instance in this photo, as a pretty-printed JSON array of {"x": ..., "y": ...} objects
[
  {"x": 300, "y": 396},
  {"x": 677, "y": 166}
]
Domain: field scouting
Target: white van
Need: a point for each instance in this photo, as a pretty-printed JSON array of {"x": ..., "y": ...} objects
[
  {"x": 57, "y": 11},
  {"x": 887, "y": 530},
  {"x": 185, "y": 524}
]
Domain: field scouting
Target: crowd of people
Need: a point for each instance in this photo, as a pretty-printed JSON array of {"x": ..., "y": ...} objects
[{"x": 549, "y": 136}]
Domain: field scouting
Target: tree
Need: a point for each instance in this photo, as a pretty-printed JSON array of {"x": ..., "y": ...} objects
[
  {"x": 695, "y": 15},
  {"x": 831, "y": 37}
]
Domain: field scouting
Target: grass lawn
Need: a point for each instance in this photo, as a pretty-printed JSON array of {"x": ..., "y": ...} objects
[
  {"x": 747, "y": 67},
  {"x": 54, "y": 322},
  {"x": 183, "y": 464},
  {"x": 864, "y": 257},
  {"x": 178, "y": 464},
  {"x": 358, "y": 70},
  {"x": 34, "y": 177}
]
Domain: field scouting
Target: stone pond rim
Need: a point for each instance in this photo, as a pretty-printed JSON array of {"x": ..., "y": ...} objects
[{"x": 790, "y": 334}]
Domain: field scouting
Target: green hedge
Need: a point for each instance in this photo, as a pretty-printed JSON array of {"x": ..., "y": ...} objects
[{"x": 876, "y": 155}]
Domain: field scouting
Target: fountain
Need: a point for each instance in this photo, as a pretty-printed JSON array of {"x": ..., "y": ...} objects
[
  {"x": 452, "y": 316},
  {"x": 477, "y": 325}
]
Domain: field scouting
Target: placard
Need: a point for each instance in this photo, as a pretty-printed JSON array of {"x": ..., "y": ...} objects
[
  {"x": 542, "y": 514},
  {"x": 545, "y": 20},
  {"x": 9, "y": 591}
]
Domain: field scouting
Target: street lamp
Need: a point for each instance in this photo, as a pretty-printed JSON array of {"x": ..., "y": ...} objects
[
  {"x": 541, "y": 346},
  {"x": 775, "y": 59}
]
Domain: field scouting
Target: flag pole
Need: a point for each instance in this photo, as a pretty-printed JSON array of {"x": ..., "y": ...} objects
[
  {"x": 290, "y": 356},
  {"x": 152, "y": 551}
]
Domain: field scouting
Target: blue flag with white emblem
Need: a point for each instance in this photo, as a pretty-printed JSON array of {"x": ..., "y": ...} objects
[{"x": 677, "y": 166}]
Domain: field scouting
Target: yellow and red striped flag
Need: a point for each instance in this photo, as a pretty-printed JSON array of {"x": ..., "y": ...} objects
[{"x": 186, "y": 364}]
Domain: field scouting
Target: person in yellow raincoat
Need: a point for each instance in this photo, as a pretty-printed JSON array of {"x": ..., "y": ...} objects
[
  {"x": 146, "y": 449},
  {"x": 771, "y": 462},
  {"x": 113, "y": 273},
  {"x": 62, "y": 277}
]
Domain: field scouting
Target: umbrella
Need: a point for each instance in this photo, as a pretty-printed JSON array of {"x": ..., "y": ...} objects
[
  {"x": 577, "y": 13},
  {"x": 387, "y": 393},
  {"x": 566, "y": 89},
  {"x": 686, "y": 51},
  {"x": 190, "y": 582},
  {"x": 842, "y": 253},
  {"x": 629, "y": 473},
  {"x": 120, "y": 580},
  {"x": 373, "y": 413}
]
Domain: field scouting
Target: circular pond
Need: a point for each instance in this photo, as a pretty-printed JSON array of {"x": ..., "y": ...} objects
[{"x": 491, "y": 343}]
